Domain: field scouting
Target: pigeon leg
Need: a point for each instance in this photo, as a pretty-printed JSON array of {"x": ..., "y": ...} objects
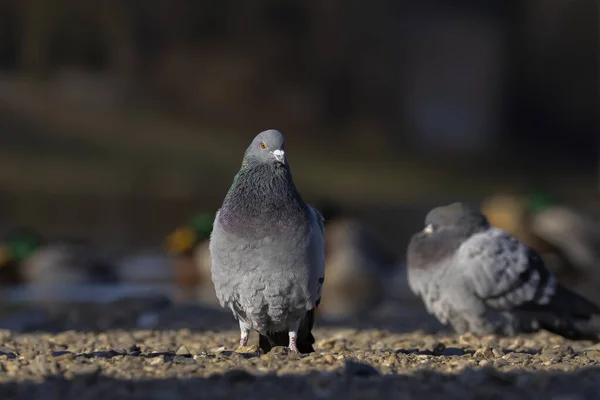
[
  {"x": 293, "y": 334},
  {"x": 244, "y": 332}
]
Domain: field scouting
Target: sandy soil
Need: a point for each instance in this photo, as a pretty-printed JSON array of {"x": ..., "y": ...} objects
[{"x": 145, "y": 351}]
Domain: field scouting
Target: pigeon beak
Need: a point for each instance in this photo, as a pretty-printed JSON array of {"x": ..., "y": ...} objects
[
  {"x": 428, "y": 229},
  {"x": 279, "y": 155}
]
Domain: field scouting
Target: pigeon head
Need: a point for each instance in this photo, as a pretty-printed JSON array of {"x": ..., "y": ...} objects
[
  {"x": 267, "y": 147},
  {"x": 455, "y": 216},
  {"x": 446, "y": 228}
]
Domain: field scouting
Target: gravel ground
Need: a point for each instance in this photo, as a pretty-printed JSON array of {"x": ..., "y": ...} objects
[{"x": 168, "y": 361}]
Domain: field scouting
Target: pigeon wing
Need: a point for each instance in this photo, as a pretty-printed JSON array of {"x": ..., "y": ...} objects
[{"x": 504, "y": 272}]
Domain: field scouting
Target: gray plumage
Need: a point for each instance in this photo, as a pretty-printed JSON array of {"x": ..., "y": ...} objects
[
  {"x": 268, "y": 251},
  {"x": 480, "y": 279}
]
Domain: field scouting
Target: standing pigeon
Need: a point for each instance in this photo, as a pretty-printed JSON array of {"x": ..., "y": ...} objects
[
  {"x": 268, "y": 250},
  {"x": 479, "y": 279}
]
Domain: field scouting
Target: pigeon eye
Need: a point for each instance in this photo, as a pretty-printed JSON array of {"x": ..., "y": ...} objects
[{"x": 263, "y": 145}]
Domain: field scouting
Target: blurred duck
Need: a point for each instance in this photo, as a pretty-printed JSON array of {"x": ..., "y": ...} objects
[
  {"x": 567, "y": 239},
  {"x": 188, "y": 246},
  {"x": 26, "y": 258},
  {"x": 357, "y": 266}
]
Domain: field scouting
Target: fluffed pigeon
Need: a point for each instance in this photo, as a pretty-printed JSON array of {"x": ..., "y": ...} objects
[
  {"x": 479, "y": 279},
  {"x": 268, "y": 250}
]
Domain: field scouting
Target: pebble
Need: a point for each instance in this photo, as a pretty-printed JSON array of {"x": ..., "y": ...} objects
[
  {"x": 156, "y": 360},
  {"x": 253, "y": 349},
  {"x": 183, "y": 351},
  {"x": 393, "y": 359},
  {"x": 328, "y": 358},
  {"x": 484, "y": 352},
  {"x": 497, "y": 353},
  {"x": 372, "y": 363},
  {"x": 438, "y": 349}
]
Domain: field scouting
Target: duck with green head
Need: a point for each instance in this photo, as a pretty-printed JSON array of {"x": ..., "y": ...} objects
[
  {"x": 26, "y": 257},
  {"x": 15, "y": 249},
  {"x": 188, "y": 245}
]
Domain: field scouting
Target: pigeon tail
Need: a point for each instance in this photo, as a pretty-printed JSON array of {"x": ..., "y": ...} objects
[
  {"x": 571, "y": 316},
  {"x": 304, "y": 342}
]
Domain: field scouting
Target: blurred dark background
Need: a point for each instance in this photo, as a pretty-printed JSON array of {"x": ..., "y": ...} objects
[{"x": 121, "y": 119}]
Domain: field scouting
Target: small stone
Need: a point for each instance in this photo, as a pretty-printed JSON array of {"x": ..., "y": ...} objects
[
  {"x": 550, "y": 354},
  {"x": 156, "y": 360},
  {"x": 438, "y": 349},
  {"x": 467, "y": 339},
  {"x": 593, "y": 355},
  {"x": 483, "y": 352},
  {"x": 393, "y": 359},
  {"x": 328, "y": 358},
  {"x": 202, "y": 355},
  {"x": 484, "y": 363},
  {"x": 253, "y": 349},
  {"x": 499, "y": 362},
  {"x": 497, "y": 353},
  {"x": 516, "y": 357},
  {"x": 183, "y": 351},
  {"x": 265, "y": 357},
  {"x": 134, "y": 349}
]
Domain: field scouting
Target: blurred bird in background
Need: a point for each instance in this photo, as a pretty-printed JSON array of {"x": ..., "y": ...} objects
[
  {"x": 568, "y": 239},
  {"x": 188, "y": 245},
  {"x": 357, "y": 265},
  {"x": 26, "y": 258},
  {"x": 479, "y": 279}
]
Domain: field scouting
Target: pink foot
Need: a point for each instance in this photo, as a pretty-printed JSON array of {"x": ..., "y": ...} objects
[
  {"x": 293, "y": 346},
  {"x": 243, "y": 342}
]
